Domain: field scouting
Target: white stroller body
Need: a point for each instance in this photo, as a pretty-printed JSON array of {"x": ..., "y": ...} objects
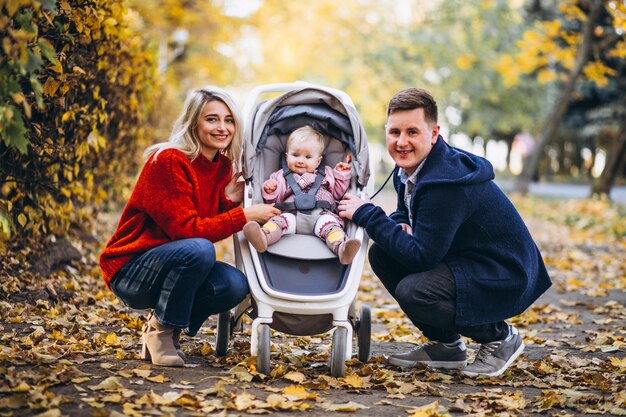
[{"x": 298, "y": 286}]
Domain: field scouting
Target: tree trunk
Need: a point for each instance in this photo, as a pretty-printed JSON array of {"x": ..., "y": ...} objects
[
  {"x": 555, "y": 116},
  {"x": 616, "y": 156}
]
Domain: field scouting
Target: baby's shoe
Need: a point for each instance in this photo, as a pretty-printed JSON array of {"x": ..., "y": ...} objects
[
  {"x": 257, "y": 238},
  {"x": 347, "y": 250}
]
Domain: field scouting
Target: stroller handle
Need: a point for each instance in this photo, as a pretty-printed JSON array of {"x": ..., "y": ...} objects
[{"x": 253, "y": 96}]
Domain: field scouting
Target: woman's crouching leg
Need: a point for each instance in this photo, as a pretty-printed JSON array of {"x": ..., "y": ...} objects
[{"x": 223, "y": 289}]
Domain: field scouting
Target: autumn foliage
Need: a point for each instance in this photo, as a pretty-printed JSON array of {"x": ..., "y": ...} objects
[{"x": 75, "y": 92}]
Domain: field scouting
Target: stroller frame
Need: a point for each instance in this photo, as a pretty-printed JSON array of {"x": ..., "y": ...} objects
[{"x": 268, "y": 299}]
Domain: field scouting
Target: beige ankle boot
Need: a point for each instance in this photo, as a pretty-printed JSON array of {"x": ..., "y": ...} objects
[
  {"x": 176, "y": 340},
  {"x": 158, "y": 344}
]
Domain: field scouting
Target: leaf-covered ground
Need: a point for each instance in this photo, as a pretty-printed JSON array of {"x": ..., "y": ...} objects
[{"x": 69, "y": 348}]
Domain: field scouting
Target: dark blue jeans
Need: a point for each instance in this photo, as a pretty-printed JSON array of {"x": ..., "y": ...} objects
[
  {"x": 429, "y": 300},
  {"x": 182, "y": 281}
]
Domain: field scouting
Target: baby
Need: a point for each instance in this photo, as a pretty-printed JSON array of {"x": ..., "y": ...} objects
[{"x": 304, "y": 154}]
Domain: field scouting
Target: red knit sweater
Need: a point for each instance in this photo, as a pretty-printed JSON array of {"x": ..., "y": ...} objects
[{"x": 173, "y": 199}]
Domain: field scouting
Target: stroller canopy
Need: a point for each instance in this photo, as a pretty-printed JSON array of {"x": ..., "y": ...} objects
[{"x": 316, "y": 106}]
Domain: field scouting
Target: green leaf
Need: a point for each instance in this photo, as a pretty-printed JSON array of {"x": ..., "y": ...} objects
[
  {"x": 49, "y": 5},
  {"x": 5, "y": 224},
  {"x": 25, "y": 20},
  {"x": 34, "y": 61},
  {"x": 37, "y": 89},
  {"x": 13, "y": 132},
  {"x": 48, "y": 50}
]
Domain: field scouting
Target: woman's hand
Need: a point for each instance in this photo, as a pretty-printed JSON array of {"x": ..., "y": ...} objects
[
  {"x": 234, "y": 188},
  {"x": 349, "y": 205},
  {"x": 260, "y": 212}
]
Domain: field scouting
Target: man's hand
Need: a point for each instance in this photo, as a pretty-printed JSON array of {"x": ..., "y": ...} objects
[
  {"x": 406, "y": 228},
  {"x": 270, "y": 186},
  {"x": 349, "y": 205},
  {"x": 234, "y": 188}
]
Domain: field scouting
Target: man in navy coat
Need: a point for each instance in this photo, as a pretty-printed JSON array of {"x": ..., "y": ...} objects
[{"x": 455, "y": 254}]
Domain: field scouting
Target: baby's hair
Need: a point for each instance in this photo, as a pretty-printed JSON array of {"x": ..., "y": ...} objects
[{"x": 304, "y": 134}]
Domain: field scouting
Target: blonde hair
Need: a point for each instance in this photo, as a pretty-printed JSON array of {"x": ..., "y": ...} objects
[
  {"x": 304, "y": 134},
  {"x": 184, "y": 136}
]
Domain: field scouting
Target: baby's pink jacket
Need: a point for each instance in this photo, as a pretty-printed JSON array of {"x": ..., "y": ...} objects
[{"x": 334, "y": 186}]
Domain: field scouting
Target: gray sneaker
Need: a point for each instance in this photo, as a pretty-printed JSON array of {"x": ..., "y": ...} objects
[
  {"x": 495, "y": 357},
  {"x": 433, "y": 354}
]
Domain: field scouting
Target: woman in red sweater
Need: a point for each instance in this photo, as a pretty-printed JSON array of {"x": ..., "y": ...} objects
[{"x": 187, "y": 196}]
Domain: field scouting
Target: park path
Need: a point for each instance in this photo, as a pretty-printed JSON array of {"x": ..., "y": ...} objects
[{"x": 76, "y": 353}]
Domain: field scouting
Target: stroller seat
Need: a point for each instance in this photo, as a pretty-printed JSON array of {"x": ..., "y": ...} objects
[{"x": 304, "y": 275}]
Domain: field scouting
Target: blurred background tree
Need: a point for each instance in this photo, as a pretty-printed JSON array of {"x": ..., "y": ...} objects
[
  {"x": 87, "y": 85},
  {"x": 578, "y": 46},
  {"x": 75, "y": 100}
]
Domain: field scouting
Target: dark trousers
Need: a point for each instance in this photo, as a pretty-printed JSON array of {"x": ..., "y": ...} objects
[
  {"x": 429, "y": 300},
  {"x": 182, "y": 281}
]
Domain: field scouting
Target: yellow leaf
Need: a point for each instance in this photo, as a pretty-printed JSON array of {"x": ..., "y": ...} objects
[
  {"x": 142, "y": 373},
  {"x": 428, "y": 410},
  {"x": 56, "y": 67},
  {"x": 111, "y": 383},
  {"x": 241, "y": 373},
  {"x": 113, "y": 398},
  {"x": 55, "y": 412},
  {"x": 51, "y": 86},
  {"x": 66, "y": 116},
  {"x": 206, "y": 349},
  {"x": 159, "y": 379},
  {"x": 350, "y": 406},
  {"x": 354, "y": 381},
  {"x": 67, "y": 194},
  {"x": 21, "y": 219},
  {"x": 111, "y": 338},
  {"x": 22, "y": 387},
  {"x": 620, "y": 363},
  {"x": 18, "y": 98},
  {"x": 297, "y": 392},
  {"x": 295, "y": 376}
]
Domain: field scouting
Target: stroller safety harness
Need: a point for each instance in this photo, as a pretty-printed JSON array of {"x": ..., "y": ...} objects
[{"x": 303, "y": 201}]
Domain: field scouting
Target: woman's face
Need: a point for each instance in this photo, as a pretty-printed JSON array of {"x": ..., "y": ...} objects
[{"x": 216, "y": 128}]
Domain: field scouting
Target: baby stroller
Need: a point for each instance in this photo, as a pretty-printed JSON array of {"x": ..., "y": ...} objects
[{"x": 298, "y": 286}]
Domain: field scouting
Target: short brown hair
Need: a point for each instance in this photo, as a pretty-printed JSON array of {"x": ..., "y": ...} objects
[{"x": 414, "y": 98}]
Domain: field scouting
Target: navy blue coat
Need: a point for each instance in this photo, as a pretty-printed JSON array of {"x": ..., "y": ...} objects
[{"x": 463, "y": 219}]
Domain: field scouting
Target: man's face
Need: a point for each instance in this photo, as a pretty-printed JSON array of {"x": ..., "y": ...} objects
[{"x": 409, "y": 138}]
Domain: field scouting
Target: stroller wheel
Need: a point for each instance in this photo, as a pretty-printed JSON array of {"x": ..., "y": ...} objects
[
  {"x": 263, "y": 349},
  {"x": 223, "y": 333},
  {"x": 338, "y": 352},
  {"x": 363, "y": 334}
]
